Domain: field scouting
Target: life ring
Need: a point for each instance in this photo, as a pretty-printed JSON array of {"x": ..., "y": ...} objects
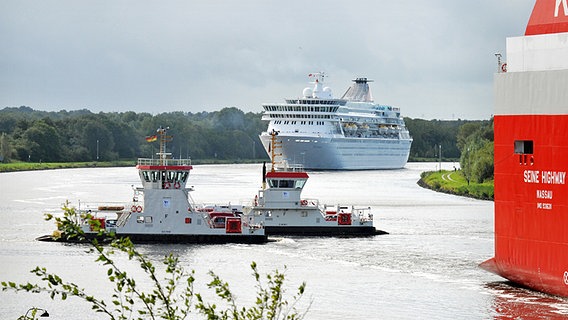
[
  {"x": 504, "y": 67},
  {"x": 167, "y": 185},
  {"x": 139, "y": 209},
  {"x": 133, "y": 209},
  {"x": 304, "y": 202},
  {"x": 177, "y": 185}
]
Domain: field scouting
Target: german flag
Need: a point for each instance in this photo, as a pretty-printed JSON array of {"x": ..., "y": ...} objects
[{"x": 151, "y": 138}]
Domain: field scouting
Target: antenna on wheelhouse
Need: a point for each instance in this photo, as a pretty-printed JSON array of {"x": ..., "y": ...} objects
[
  {"x": 162, "y": 132},
  {"x": 274, "y": 144}
]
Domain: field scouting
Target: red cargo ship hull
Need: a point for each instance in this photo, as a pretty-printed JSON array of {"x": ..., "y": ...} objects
[
  {"x": 531, "y": 216},
  {"x": 531, "y": 154}
]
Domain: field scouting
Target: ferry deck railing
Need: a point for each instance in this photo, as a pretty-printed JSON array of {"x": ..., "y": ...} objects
[{"x": 163, "y": 162}]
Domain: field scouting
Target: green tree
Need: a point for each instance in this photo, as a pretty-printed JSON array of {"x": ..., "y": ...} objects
[
  {"x": 96, "y": 137},
  {"x": 476, "y": 143},
  {"x": 466, "y": 130},
  {"x": 228, "y": 119},
  {"x": 428, "y": 135},
  {"x": 43, "y": 141},
  {"x": 6, "y": 149},
  {"x": 483, "y": 165}
]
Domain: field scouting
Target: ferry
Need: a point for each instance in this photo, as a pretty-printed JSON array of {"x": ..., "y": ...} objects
[
  {"x": 320, "y": 132},
  {"x": 531, "y": 148},
  {"x": 162, "y": 210},
  {"x": 285, "y": 212}
]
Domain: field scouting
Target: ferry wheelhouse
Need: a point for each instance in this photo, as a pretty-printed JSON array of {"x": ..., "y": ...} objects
[
  {"x": 161, "y": 209},
  {"x": 285, "y": 212}
]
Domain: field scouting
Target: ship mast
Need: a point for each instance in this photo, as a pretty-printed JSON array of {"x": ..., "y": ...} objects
[
  {"x": 162, "y": 132},
  {"x": 274, "y": 144}
]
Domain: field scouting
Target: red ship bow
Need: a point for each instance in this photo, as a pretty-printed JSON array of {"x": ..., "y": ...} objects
[{"x": 531, "y": 154}]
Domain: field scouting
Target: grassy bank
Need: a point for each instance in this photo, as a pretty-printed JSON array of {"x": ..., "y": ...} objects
[
  {"x": 422, "y": 159},
  {"x": 454, "y": 182},
  {"x": 27, "y": 166}
]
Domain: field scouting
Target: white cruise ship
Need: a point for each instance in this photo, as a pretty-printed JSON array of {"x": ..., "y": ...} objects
[{"x": 320, "y": 132}]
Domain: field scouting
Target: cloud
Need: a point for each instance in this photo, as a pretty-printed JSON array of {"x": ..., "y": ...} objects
[{"x": 149, "y": 56}]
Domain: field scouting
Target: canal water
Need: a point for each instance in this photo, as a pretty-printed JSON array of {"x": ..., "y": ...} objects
[{"x": 425, "y": 268}]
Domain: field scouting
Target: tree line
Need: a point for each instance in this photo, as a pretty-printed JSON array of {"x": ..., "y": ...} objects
[
  {"x": 229, "y": 134},
  {"x": 429, "y": 135},
  {"x": 69, "y": 136},
  {"x": 475, "y": 142}
]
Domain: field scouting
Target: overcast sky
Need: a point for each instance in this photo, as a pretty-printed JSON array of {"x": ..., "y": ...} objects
[{"x": 433, "y": 59}]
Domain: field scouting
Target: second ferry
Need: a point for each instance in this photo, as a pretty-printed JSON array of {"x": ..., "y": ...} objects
[{"x": 320, "y": 132}]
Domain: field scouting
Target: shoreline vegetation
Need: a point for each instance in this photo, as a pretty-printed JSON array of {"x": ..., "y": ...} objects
[
  {"x": 30, "y": 166},
  {"x": 454, "y": 182}
]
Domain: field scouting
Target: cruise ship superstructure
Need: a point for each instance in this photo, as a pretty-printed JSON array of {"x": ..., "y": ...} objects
[{"x": 320, "y": 132}]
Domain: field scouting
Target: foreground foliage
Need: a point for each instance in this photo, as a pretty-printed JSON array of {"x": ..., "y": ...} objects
[{"x": 172, "y": 295}]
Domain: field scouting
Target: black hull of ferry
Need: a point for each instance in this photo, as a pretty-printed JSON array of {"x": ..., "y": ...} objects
[
  {"x": 171, "y": 238},
  {"x": 323, "y": 231}
]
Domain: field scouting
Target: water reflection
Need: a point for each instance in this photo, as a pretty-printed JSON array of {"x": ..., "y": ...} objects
[{"x": 514, "y": 302}]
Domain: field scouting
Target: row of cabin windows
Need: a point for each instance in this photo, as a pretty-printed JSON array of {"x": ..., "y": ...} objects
[
  {"x": 319, "y": 123},
  {"x": 277, "y": 183},
  {"x": 399, "y": 122},
  {"x": 300, "y": 108},
  {"x": 300, "y": 116},
  {"x": 317, "y": 101},
  {"x": 165, "y": 176}
]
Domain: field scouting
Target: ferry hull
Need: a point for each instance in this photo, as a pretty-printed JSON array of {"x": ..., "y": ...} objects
[
  {"x": 322, "y": 231},
  {"x": 316, "y": 153},
  {"x": 531, "y": 198},
  {"x": 177, "y": 238}
]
